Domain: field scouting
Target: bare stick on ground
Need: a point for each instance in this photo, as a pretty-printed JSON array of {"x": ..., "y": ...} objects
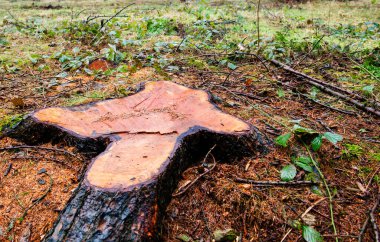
[
  {"x": 371, "y": 218},
  {"x": 275, "y": 183},
  {"x": 328, "y": 88},
  {"x": 182, "y": 190}
]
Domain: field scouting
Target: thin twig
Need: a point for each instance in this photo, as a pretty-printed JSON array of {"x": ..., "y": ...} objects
[
  {"x": 363, "y": 229},
  {"x": 37, "y": 148},
  {"x": 318, "y": 102},
  {"x": 9, "y": 168},
  {"x": 365, "y": 69},
  {"x": 340, "y": 236},
  {"x": 183, "y": 190},
  {"x": 303, "y": 215},
  {"x": 183, "y": 40},
  {"x": 90, "y": 18},
  {"x": 327, "y": 190},
  {"x": 325, "y": 125},
  {"x": 374, "y": 226},
  {"x": 258, "y": 24},
  {"x": 274, "y": 183},
  {"x": 304, "y": 57},
  {"x": 372, "y": 176},
  {"x": 371, "y": 218},
  {"x": 115, "y": 15}
]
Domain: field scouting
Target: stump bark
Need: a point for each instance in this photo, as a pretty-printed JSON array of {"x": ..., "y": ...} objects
[{"x": 146, "y": 141}]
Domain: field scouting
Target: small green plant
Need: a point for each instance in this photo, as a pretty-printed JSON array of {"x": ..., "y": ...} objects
[
  {"x": 3, "y": 42},
  {"x": 112, "y": 54},
  {"x": 74, "y": 60},
  {"x": 280, "y": 93},
  {"x": 309, "y": 164},
  {"x": 368, "y": 90},
  {"x": 300, "y": 131},
  {"x": 352, "y": 151}
]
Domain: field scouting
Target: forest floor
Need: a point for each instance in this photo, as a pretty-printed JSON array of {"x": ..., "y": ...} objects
[{"x": 47, "y": 54}]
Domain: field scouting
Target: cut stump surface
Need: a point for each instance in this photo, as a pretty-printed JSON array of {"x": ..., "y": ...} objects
[{"x": 152, "y": 137}]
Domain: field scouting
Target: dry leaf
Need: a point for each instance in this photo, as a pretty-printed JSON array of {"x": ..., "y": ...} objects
[{"x": 18, "y": 102}]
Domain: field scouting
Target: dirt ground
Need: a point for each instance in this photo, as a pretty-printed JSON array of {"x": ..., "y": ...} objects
[{"x": 216, "y": 201}]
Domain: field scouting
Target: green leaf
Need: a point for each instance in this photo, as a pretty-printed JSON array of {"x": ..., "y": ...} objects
[
  {"x": 223, "y": 62},
  {"x": 231, "y": 66},
  {"x": 184, "y": 238},
  {"x": 304, "y": 163},
  {"x": 299, "y": 129},
  {"x": 316, "y": 190},
  {"x": 304, "y": 159},
  {"x": 282, "y": 140},
  {"x": 62, "y": 75},
  {"x": 76, "y": 50},
  {"x": 64, "y": 58},
  {"x": 304, "y": 166},
  {"x": 288, "y": 173},
  {"x": 316, "y": 143},
  {"x": 310, "y": 234},
  {"x": 333, "y": 137},
  {"x": 313, "y": 93},
  {"x": 34, "y": 58},
  {"x": 225, "y": 235},
  {"x": 280, "y": 92},
  {"x": 368, "y": 90}
]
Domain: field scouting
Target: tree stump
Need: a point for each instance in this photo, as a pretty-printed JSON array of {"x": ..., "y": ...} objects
[{"x": 147, "y": 140}]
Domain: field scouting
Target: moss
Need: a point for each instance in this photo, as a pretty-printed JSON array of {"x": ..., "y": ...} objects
[{"x": 9, "y": 121}]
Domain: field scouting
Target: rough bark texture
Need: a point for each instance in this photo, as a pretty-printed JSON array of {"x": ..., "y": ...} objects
[{"x": 119, "y": 207}]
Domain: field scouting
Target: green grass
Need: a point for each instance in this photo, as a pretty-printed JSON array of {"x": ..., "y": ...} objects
[{"x": 155, "y": 29}]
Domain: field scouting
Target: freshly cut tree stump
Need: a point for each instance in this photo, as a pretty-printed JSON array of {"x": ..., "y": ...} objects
[{"x": 147, "y": 140}]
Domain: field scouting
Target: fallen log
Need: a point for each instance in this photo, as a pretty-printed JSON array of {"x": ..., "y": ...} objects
[
  {"x": 328, "y": 88},
  {"x": 147, "y": 140}
]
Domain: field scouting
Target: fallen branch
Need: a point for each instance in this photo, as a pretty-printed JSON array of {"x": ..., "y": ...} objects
[
  {"x": 328, "y": 88},
  {"x": 182, "y": 190},
  {"x": 274, "y": 183},
  {"x": 320, "y": 103},
  {"x": 348, "y": 92}
]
